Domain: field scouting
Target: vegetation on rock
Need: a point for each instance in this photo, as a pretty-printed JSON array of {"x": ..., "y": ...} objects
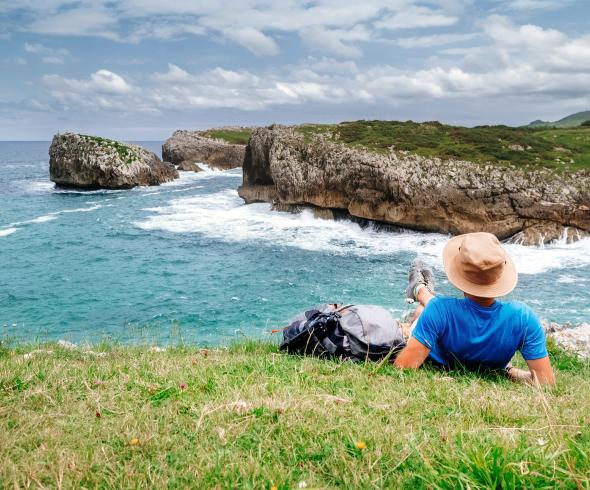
[
  {"x": 249, "y": 417},
  {"x": 238, "y": 136},
  {"x": 525, "y": 148},
  {"x": 127, "y": 154}
]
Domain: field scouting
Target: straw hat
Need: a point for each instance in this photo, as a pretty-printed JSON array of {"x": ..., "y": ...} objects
[{"x": 477, "y": 264}]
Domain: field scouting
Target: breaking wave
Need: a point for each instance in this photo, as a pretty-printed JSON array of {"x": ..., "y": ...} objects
[{"x": 223, "y": 216}]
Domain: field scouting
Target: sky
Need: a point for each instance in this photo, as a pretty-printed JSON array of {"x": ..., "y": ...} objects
[{"x": 140, "y": 69}]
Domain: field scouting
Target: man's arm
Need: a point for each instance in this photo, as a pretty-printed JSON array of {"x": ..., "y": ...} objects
[
  {"x": 540, "y": 371},
  {"x": 412, "y": 356}
]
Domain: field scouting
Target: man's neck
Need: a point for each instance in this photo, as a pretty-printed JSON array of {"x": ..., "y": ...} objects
[{"x": 485, "y": 302}]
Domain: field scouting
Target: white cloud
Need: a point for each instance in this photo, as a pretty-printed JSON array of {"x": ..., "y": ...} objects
[
  {"x": 434, "y": 40},
  {"x": 173, "y": 75},
  {"x": 334, "y": 40},
  {"x": 105, "y": 81},
  {"x": 97, "y": 91},
  {"x": 49, "y": 55},
  {"x": 527, "y": 61},
  {"x": 416, "y": 17},
  {"x": 536, "y": 4},
  {"x": 253, "y": 40},
  {"x": 326, "y": 26},
  {"x": 82, "y": 21}
]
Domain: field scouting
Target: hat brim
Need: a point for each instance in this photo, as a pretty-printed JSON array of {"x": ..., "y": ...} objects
[{"x": 501, "y": 287}]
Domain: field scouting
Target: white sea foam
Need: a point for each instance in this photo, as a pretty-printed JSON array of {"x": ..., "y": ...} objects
[
  {"x": 81, "y": 210},
  {"x": 223, "y": 216},
  {"x": 7, "y": 231},
  {"x": 40, "y": 186},
  {"x": 45, "y": 186},
  {"x": 52, "y": 216},
  {"x": 40, "y": 219}
]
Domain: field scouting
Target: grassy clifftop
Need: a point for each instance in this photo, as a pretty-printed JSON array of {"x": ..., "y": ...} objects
[
  {"x": 561, "y": 149},
  {"x": 249, "y": 417},
  {"x": 235, "y": 136},
  {"x": 524, "y": 147}
]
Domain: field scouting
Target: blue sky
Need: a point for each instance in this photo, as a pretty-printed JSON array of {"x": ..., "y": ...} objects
[{"x": 139, "y": 69}]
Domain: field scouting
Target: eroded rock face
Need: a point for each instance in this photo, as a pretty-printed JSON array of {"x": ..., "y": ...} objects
[
  {"x": 430, "y": 194},
  {"x": 90, "y": 162},
  {"x": 186, "y": 147}
]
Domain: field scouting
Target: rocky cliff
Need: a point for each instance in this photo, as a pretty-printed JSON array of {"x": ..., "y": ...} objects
[
  {"x": 447, "y": 196},
  {"x": 188, "y": 147},
  {"x": 90, "y": 162}
]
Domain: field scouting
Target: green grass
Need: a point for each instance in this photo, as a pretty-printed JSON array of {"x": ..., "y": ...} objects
[
  {"x": 249, "y": 417},
  {"x": 525, "y": 148},
  {"x": 234, "y": 136}
]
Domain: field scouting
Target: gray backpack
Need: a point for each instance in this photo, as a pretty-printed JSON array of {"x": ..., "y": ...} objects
[{"x": 356, "y": 332}]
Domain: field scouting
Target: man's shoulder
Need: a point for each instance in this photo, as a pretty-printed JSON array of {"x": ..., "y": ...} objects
[{"x": 517, "y": 307}]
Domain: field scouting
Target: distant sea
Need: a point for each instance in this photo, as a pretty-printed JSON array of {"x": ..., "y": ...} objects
[{"x": 188, "y": 261}]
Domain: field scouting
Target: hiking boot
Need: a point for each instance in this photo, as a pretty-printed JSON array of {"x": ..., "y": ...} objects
[
  {"x": 428, "y": 276},
  {"x": 415, "y": 278}
]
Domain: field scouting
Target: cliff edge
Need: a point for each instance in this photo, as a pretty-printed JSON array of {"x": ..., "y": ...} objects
[{"x": 284, "y": 166}]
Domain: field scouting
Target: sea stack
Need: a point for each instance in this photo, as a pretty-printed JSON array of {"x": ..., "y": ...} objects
[
  {"x": 91, "y": 162},
  {"x": 185, "y": 148}
]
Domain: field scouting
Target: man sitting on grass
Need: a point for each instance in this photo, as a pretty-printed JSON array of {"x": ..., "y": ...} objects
[{"x": 477, "y": 332}]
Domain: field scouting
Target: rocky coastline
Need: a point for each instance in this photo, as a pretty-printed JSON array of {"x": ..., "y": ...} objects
[
  {"x": 185, "y": 148},
  {"x": 574, "y": 338},
  {"x": 90, "y": 162},
  {"x": 285, "y": 167}
]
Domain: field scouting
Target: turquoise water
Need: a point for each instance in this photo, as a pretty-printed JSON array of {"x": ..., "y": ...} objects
[{"x": 187, "y": 260}]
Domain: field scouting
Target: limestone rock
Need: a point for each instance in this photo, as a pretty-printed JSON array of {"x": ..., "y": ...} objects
[
  {"x": 192, "y": 147},
  {"x": 571, "y": 337},
  {"x": 408, "y": 190},
  {"x": 90, "y": 162},
  {"x": 188, "y": 166}
]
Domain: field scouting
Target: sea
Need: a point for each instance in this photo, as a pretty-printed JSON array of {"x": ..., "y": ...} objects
[{"x": 189, "y": 262}]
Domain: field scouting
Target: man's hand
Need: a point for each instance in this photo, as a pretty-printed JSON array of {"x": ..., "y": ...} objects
[
  {"x": 540, "y": 372},
  {"x": 412, "y": 356}
]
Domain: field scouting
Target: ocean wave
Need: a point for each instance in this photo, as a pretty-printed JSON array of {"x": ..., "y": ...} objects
[
  {"x": 52, "y": 216},
  {"x": 223, "y": 216},
  {"x": 7, "y": 231}
]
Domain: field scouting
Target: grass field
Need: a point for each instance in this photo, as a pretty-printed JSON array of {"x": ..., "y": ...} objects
[{"x": 249, "y": 417}]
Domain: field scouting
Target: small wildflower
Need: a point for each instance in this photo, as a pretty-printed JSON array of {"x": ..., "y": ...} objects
[
  {"x": 274, "y": 487},
  {"x": 361, "y": 445},
  {"x": 97, "y": 382},
  {"x": 98, "y": 414},
  {"x": 194, "y": 362},
  {"x": 134, "y": 441},
  {"x": 541, "y": 442},
  {"x": 302, "y": 484},
  {"x": 183, "y": 386}
]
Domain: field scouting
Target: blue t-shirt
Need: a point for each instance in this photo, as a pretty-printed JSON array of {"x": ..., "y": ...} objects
[{"x": 462, "y": 331}]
